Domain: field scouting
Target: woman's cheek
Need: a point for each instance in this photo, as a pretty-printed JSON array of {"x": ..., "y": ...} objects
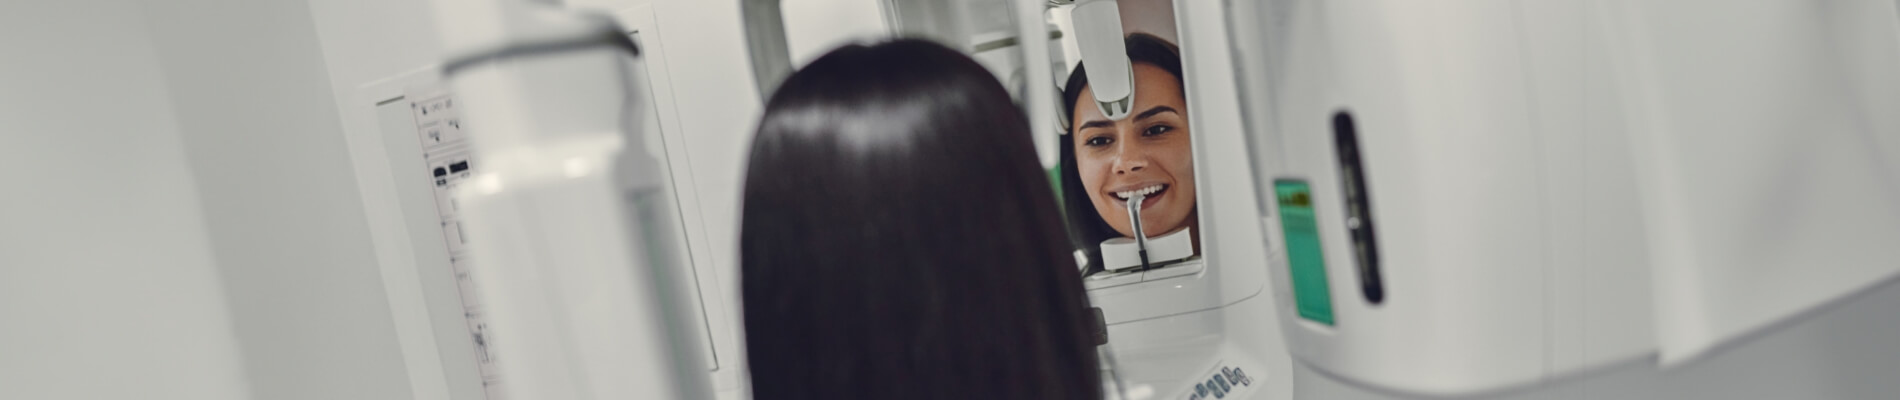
[
  {"x": 1092, "y": 180},
  {"x": 1183, "y": 160},
  {"x": 1094, "y": 174}
]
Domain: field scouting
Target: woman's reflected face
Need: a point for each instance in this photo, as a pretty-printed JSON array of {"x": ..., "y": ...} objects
[{"x": 1146, "y": 152}]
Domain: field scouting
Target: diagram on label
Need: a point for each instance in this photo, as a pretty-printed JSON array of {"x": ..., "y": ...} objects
[{"x": 446, "y": 152}]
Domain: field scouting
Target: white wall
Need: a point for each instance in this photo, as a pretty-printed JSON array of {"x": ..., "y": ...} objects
[
  {"x": 387, "y": 45},
  {"x": 250, "y": 258},
  {"x": 108, "y": 288},
  {"x": 255, "y": 109}
]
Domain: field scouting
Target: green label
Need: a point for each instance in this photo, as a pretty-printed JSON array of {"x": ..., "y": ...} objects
[{"x": 1307, "y": 260}]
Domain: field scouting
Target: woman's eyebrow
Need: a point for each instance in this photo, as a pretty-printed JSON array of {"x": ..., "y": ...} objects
[
  {"x": 1100, "y": 123},
  {"x": 1156, "y": 110}
]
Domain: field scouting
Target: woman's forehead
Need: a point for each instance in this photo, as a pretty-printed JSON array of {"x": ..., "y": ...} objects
[{"x": 1155, "y": 86}]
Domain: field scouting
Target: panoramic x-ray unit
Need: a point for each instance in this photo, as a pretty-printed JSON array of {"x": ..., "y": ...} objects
[
  {"x": 1436, "y": 199},
  {"x": 1479, "y": 196}
]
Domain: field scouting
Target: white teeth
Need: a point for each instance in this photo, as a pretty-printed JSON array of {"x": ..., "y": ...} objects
[{"x": 1143, "y": 191}]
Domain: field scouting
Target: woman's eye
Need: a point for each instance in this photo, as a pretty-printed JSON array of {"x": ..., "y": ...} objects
[
  {"x": 1156, "y": 130},
  {"x": 1097, "y": 141}
]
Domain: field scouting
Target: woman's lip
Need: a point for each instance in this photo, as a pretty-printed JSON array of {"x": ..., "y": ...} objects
[
  {"x": 1135, "y": 186},
  {"x": 1146, "y": 202}
]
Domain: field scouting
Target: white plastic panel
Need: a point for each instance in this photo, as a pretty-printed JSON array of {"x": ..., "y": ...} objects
[
  {"x": 437, "y": 287},
  {"x": 668, "y": 144},
  {"x": 1229, "y": 239},
  {"x": 1438, "y": 95},
  {"x": 814, "y": 27},
  {"x": 1770, "y": 156},
  {"x": 1507, "y": 227},
  {"x": 1599, "y": 292},
  {"x": 960, "y": 24},
  {"x": 1098, "y": 33}
]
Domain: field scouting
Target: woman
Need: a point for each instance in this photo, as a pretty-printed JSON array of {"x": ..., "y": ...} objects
[
  {"x": 900, "y": 241},
  {"x": 1105, "y": 161}
]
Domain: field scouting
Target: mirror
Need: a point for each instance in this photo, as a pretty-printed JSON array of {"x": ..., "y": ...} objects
[{"x": 1125, "y": 139}]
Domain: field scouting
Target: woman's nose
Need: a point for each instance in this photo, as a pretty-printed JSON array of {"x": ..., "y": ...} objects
[{"x": 1130, "y": 160}]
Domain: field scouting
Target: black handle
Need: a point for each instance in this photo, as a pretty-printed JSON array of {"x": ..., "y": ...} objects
[{"x": 1365, "y": 244}]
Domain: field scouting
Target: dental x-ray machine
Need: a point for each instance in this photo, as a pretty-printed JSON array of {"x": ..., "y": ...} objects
[{"x": 1478, "y": 196}]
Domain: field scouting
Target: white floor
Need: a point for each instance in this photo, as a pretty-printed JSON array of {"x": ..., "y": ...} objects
[{"x": 1849, "y": 351}]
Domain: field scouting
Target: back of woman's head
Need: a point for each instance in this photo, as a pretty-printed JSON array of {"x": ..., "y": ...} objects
[{"x": 900, "y": 240}]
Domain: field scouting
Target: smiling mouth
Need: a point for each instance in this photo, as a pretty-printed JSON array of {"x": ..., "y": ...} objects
[{"x": 1150, "y": 194}]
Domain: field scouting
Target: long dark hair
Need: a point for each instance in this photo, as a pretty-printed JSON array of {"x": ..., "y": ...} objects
[
  {"x": 900, "y": 240},
  {"x": 1087, "y": 229}
]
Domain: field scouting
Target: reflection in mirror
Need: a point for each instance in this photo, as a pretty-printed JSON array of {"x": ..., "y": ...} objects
[{"x": 1132, "y": 172}]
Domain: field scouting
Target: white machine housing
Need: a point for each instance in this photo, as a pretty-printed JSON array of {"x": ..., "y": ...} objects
[
  {"x": 1561, "y": 186},
  {"x": 584, "y": 298},
  {"x": 1098, "y": 32},
  {"x": 1507, "y": 232},
  {"x": 1768, "y": 154}
]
